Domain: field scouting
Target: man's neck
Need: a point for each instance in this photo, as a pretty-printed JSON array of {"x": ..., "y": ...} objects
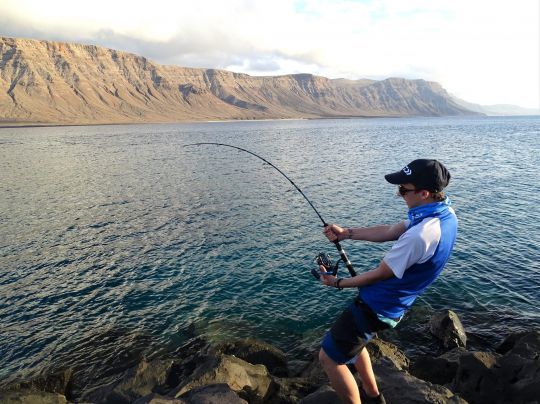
[{"x": 423, "y": 202}]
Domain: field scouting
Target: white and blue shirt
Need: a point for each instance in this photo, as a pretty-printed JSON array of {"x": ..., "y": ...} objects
[{"x": 416, "y": 259}]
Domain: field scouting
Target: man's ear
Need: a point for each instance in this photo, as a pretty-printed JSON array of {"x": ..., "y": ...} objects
[{"x": 425, "y": 194}]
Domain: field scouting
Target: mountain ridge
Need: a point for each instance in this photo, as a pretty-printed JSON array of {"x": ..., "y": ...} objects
[
  {"x": 497, "y": 109},
  {"x": 68, "y": 83}
]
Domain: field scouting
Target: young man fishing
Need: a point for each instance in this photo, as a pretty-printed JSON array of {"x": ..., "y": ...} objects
[{"x": 423, "y": 246}]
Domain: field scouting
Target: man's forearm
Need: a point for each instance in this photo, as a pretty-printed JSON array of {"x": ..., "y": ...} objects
[
  {"x": 376, "y": 234},
  {"x": 380, "y": 273}
]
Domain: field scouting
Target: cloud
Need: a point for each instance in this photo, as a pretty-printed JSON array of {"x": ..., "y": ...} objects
[
  {"x": 483, "y": 51},
  {"x": 267, "y": 64}
]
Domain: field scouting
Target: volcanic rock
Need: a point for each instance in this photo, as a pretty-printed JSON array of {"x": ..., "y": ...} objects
[
  {"x": 158, "y": 399},
  {"x": 398, "y": 386},
  {"x": 213, "y": 394},
  {"x": 31, "y": 397},
  {"x": 476, "y": 378},
  {"x": 235, "y": 372},
  {"x": 438, "y": 370},
  {"x": 525, "y": 344},
  {"x": 324, "y": 395},
  {"x": 258, "y": 353},
  {"x": 379, "y": 349},
  {"x": 137, "y": 382},
  {"x": 448, "y": 328}
]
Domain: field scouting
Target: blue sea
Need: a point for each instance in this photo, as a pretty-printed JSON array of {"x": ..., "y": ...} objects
[{"x": 116, "y": 242}]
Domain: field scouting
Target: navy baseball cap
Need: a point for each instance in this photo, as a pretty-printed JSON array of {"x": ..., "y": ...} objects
[{"x": 423, "y": 174}]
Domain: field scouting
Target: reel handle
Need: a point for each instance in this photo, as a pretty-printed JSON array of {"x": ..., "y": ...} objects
[{"x": 324, "y": 260}]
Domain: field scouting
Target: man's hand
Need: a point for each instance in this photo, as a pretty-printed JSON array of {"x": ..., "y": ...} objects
[
  {"x": 326, "y": 277},
  {"x": 334, "y": 233}
]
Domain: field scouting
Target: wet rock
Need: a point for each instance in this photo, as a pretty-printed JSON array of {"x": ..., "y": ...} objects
[
  {"x": 313, "y": 372},
  {"x": 509, "y": 342},
  {"x": 398, "y": 386},
  {"x": 292, "y": 390},
  {"x": 158, "y": 399},
  {"x": 324, "y": 395},
  {"x": 520, "y": 366},
  {"x": 213, "y": 394},
  {"x": 524, "y": 344},
  {"x": 233, "y": 371},
  {"x": 447, "y": 327},
  {"x": 202, "y": 373},
  {"x": 379, "y": 349},
  {"x": 31, "y": 397},
  {"x": 258, "y": 353},
  {"x": 297, "y": 366},
  {"x": 512, "y": 378},
  {"x": 520, "y": 378},
  {"x": 476, "y": 378},
  {"x": 187, "y": 359},
  {"x": 440, "y": 370},
  {"x": 137, "y": 382},
  {"x": 57, "y": 382}
]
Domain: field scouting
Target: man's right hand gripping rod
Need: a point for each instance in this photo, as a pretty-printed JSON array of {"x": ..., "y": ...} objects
[{"x": 342, "y": 254}]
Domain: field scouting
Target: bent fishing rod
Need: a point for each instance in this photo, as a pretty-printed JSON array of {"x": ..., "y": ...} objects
[{"x": 321, "y": 259}]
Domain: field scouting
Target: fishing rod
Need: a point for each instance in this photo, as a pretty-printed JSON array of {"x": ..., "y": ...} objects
[{"x": 321, "y": 259}]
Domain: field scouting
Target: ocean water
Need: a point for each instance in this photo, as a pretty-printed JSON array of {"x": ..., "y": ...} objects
[{"x": 117, "y": 242}]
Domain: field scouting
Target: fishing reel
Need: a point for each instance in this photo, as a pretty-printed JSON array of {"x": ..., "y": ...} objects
[{"x": 325, "y": 260}]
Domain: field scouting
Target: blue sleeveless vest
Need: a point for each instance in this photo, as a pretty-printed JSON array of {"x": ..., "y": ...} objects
[{"x": 392, "y": 297}]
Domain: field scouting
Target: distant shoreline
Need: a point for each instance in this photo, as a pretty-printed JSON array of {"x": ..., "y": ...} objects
[
  {"x": 53, "y": 125},
  {"x": 14, "y": 125}
]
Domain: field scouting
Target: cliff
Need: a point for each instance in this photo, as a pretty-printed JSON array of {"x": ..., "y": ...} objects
[{"x": 54, "y": 82}]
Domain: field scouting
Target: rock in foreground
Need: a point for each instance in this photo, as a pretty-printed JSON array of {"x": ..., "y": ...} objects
[
  {"x": 448, "y": 328},
  {"x": 202, "y": 373}
]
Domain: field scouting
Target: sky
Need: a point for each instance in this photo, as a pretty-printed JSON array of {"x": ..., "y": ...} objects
[{"x": 485, "y": 52}]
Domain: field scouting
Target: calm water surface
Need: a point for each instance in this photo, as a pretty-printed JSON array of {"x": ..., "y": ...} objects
[{"x": 116, "y": 242}]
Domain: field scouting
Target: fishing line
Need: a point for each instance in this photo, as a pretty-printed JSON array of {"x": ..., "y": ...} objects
[{"x": 321, "y": 258}]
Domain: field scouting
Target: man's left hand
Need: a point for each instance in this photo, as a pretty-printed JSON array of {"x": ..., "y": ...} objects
[{"x": 326, "y": 277}]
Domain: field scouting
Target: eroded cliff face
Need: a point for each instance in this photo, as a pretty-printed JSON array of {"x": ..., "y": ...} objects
[{"x": 53, "y": 82}]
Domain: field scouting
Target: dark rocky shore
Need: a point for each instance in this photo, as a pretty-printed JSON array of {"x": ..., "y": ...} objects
[{"x": 255, "y": 372}]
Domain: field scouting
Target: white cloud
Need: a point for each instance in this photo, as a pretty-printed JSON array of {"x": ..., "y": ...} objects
[{"x": 482, "y": 51}]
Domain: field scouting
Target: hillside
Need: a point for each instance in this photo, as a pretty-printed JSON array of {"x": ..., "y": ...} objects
[
  {"x": 54, "y": 82},
  {"x": 496, "y": 110}
]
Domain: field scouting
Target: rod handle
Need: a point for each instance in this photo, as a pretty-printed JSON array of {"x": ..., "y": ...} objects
[
  {"x": 342, "y": 254},
  {"x": 344, "y": 258}
]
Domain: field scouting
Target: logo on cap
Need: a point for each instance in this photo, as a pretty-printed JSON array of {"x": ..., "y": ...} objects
[{"x": 407, "y": 170}]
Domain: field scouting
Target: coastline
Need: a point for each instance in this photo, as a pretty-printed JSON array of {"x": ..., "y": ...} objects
[
  {"x": 14, "y": 125},
  {"x": 250, "y": 371}
]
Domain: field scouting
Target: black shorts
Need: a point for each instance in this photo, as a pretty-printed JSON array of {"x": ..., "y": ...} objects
[{"x": 351, "y": 332}]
